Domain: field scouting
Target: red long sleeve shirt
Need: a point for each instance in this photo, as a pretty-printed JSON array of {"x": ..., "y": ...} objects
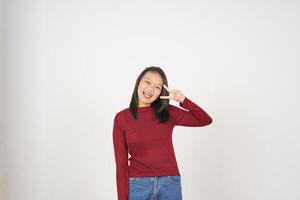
[{"x": 149, "y": 143}]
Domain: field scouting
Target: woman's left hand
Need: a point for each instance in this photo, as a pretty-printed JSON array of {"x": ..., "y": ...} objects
[{"x": 174, "y": 94}]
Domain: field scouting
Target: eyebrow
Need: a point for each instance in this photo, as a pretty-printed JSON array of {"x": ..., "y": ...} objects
[{"x": 150, "y": 80}]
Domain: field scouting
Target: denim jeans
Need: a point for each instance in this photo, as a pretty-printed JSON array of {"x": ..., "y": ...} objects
[{"x": 155, "y": 188}]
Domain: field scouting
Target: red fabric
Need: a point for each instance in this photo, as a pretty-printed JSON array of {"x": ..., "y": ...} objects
[{"x": 149, "y": 143}]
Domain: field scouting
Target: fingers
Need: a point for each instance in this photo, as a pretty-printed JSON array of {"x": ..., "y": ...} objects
[
  {"x": 173, "y": 94},
  {"x": 165, "y": 97},
  {"x": 169, "y": 90}
]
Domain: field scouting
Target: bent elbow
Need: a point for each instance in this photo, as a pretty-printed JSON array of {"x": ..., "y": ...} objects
[
  {"x": 206, "y": 121},
  {"x": 209, "y": 121}
]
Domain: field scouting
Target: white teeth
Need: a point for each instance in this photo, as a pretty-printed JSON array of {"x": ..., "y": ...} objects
[{"x": 147, "y": 94}]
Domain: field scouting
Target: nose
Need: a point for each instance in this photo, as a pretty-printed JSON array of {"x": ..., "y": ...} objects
[{"x": 151, "y": 90}]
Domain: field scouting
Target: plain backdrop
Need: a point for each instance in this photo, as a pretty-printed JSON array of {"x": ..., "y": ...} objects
[{"x": 67, "y": 67}]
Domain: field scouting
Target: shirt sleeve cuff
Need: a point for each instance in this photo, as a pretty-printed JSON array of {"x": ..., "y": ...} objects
[{"x": 184, "y": 101}]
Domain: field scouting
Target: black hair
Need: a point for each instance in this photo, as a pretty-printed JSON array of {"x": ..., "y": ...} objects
[{"x": 159, "y": 106}]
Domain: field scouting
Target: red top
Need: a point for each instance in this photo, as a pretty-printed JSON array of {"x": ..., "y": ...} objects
[{"x": 150, "y": 143}]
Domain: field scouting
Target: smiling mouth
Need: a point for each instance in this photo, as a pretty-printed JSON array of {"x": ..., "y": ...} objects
[{"x": 147, "y": 95}]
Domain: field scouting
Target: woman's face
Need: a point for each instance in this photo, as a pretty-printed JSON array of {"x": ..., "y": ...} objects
[{"x": 149, "y": 88}]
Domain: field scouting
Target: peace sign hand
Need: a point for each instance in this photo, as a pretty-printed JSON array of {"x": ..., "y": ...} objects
[{"x": 174, "y": 94}]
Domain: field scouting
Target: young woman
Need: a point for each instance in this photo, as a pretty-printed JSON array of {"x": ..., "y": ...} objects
[{"x": 144, "y": 130}]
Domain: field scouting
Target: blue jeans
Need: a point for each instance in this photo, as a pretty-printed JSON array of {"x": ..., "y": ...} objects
[{"x": 155, "y": 188}]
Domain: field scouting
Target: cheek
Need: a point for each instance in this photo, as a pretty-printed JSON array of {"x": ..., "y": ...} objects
[
  {"x": 140, "y": 92},
  {"x": 141, "y": 86},
  {"x": 157, "y": 93}
]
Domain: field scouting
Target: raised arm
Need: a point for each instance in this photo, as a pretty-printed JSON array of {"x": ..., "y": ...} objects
[
  {"x": 121, "y": 159},
  {"x": 193, "y": 116}
]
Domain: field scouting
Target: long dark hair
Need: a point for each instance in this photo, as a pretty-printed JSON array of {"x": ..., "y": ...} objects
[{"x": 159, "y": 106}]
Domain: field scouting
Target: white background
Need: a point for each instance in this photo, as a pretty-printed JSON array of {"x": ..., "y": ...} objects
[{"x": 69, "y": 66}]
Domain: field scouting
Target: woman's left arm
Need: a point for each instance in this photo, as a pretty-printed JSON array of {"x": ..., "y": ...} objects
[{"x": 194, "y": 116}]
